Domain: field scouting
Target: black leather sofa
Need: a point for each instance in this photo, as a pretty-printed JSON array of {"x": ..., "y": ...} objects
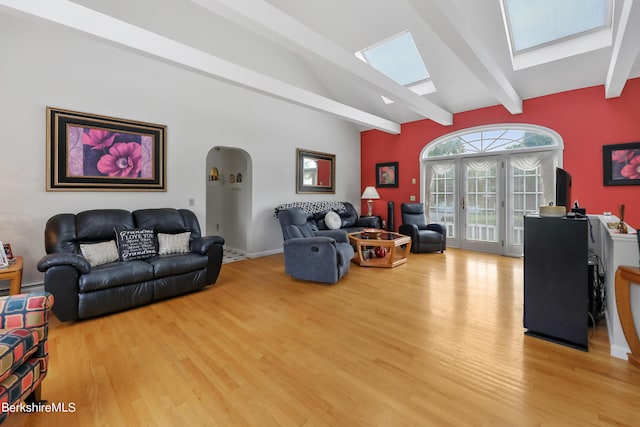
[{"x": 82, "y": 291}]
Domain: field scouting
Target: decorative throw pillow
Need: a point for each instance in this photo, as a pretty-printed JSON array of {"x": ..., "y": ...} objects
[
  {"x": 100, "y": 253},
  {"x": 173, "y": 243},
  {"x": 332, "y": 220},
  {"x": 137, "y": 243}
]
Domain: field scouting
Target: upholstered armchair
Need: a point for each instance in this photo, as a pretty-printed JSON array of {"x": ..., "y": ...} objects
[
  {"x": 424, "y": 237},
  {"x": 24, "y": 355},
  {"x": 314, "y": 255}
]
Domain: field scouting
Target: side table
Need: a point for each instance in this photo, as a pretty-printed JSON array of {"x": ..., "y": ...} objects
[{"x": 14, "y": 274}]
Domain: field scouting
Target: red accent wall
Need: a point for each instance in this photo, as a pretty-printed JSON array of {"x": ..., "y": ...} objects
[{"x": 584, "y": 118}]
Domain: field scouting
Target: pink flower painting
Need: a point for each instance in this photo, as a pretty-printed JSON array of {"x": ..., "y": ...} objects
[
  {"x": 98, "y": 139},
  {"x": 95, "y": 152},
  {"x": 89, "y": 152},
  {"x": 631, "y": 170},
  {"x": 625, "y": 164},
  {"x": 124, "y": 160}
]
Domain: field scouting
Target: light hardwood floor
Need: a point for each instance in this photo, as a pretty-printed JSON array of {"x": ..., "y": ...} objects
[{"x": 435, "y": 342}]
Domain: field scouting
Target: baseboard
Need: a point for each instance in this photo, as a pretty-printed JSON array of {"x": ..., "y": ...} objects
[
  {"x": 615, "y": 350},
  {"x": 25, "y": 289},
  {"x": 254, "y": 254},
  {"x": 264, "y": 253},
  {"x": 620, "y": 352}
]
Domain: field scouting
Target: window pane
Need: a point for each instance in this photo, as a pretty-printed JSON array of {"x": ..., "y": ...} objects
[
  {"x": 490, "y": 140},
  {"x": 534, "y": 23},
  {"x": 399, "y": 59},
  {"x": 441, "y": 199}
]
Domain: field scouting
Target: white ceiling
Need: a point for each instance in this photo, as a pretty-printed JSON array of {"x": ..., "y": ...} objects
[{"x": 463, "y": 43}]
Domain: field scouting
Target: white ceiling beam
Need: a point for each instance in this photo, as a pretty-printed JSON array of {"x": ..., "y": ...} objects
[
  {"x": 448, "y": 23},
  {"x": 105, "y": 27},
  {"x": 270, "y": 22},
  {"x": 625, "y": 49}
]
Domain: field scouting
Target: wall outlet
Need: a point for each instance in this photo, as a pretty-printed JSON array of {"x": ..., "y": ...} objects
[
  {"x": 412, "y": 198},
  {"x": 192, "y": 201}
]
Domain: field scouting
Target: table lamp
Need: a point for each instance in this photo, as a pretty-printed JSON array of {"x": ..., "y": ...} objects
[{"x": 370, "y": 193}]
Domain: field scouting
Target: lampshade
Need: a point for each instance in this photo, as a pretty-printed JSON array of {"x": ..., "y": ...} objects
[{"x": 370, "y": 193}]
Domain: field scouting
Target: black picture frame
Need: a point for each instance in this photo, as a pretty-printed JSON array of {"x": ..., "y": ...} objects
[
  {"x": 88, "y": 152},
  {"x": 387, "y": 175},
  {"x": 621, "y": 164}
]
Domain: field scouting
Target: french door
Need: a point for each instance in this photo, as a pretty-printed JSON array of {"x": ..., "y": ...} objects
[{"x": 482, "y": 200}]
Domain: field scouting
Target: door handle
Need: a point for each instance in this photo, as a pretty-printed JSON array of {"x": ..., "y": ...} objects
[{"x": 462, "y": 203}]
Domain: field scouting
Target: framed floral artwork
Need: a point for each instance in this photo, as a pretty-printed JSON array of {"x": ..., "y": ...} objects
[
  {"x": 621, "y": 164},
  {"x": 387, "y": 174},
  {"x": 87, "y": 152}
]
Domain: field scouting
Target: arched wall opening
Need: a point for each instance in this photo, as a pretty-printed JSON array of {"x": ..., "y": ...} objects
[{"x": 229, "y": 194}]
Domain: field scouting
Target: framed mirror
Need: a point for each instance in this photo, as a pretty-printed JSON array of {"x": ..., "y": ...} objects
[{"x": 315, "y": 172}]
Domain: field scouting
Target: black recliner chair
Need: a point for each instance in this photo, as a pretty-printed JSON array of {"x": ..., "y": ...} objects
[{"x": 424, "y": 237}]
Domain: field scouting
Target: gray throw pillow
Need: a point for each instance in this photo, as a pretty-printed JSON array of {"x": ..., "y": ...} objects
[
  {"x": 100, "y": 253},
  {"x": 173, "y": 243}
]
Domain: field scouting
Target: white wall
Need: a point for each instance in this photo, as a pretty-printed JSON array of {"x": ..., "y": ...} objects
[{"x": 43, "y": 64}]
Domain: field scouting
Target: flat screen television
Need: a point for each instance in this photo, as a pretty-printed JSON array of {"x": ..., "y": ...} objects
[{"x": 563, "y": 188}]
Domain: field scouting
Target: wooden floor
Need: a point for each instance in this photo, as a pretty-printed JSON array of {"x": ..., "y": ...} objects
[{"x": 434, "y": 342}]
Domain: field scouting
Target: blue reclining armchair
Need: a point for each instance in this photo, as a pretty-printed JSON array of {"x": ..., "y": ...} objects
[{"x": 315, "y": 255}]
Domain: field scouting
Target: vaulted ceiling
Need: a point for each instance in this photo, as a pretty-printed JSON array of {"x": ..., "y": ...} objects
[{"x": 463, "y": 43}]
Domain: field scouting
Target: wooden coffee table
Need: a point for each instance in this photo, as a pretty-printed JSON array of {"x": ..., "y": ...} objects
[{"x": 396, "y": 246}]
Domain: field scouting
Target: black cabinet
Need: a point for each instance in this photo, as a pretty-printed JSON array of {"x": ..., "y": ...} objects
[{"x": 556, "y": 280}]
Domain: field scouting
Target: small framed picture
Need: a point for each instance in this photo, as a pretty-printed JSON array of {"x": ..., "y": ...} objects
[
  {"x": 7, "y": 251},
  {"x": 4, "y": 262},
  {"x": 621, "y": 164},
  {"x": 387, "y": 174}
]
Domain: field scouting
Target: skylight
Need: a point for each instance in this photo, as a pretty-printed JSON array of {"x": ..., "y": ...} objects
[
  {"x": 398, "y": 58},
  {"x": 536, "y": 23}
]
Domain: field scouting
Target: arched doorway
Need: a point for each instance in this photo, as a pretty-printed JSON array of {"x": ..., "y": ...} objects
[
  {"x": 480, "y": 182},
  {"x": 228, "y": 212}
]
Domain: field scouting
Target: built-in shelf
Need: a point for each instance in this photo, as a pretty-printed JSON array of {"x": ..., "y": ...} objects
[{"x": 230, "y": 185}]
